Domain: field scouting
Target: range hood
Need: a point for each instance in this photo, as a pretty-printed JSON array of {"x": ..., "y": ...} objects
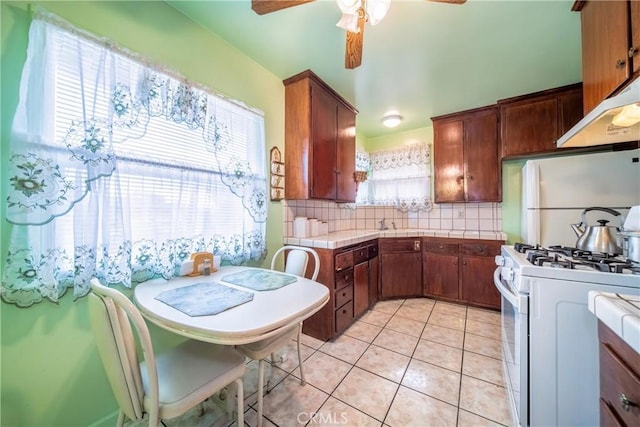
[{"x": 596, "y": 128}]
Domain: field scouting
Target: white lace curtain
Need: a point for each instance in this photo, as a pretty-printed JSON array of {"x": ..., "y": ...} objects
[
  {"x": 120, "y": 171},
  {"x": 398, "y": 178}
]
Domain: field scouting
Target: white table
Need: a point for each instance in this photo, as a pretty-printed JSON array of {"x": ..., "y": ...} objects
[{"x": 269, "y": 313}]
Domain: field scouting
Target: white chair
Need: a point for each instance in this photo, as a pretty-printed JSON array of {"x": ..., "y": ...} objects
[
  {"x": 165, "y": 385},
  {"x": 296, "y": 263}
]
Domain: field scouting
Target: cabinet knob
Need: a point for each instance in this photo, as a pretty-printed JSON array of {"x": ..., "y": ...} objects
[
  {"x": 416, "y": 245},
  {"x": 620, "y": 63},
  {"x": 626, "y": 403},
  {"x": 469, "y": 176},
  {"x": 460, "y": 178},
  {"x": 455, "y": 262},
  {"x": 633, "y": 51},
  {"x": 464, "y": 262}
]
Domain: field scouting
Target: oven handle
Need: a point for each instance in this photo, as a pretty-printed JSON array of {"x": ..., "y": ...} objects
[{"x": 517, "y": 301}]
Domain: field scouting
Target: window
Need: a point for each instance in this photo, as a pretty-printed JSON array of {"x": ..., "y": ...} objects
[
  {"x": 121, "y": 171},
  {"x": 397, "y": 178}
]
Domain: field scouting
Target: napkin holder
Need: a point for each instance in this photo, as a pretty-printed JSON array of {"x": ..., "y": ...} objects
[{"x": 198, "y": 259}]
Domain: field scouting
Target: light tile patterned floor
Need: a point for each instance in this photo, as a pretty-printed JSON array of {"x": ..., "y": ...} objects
[{"x": 414, "y": 362}]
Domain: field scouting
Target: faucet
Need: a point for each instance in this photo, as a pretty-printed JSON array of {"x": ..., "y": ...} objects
[{"x": 383, "y": 226}]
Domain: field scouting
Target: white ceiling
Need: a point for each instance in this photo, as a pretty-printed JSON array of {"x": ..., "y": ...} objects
[{"x": 424, "y": 59}]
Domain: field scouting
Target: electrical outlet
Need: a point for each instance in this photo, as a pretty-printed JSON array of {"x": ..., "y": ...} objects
[{"x": 460, "y": 213}]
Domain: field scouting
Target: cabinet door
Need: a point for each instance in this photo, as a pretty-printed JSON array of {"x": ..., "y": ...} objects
[
  {"x": 529, "y": 127},
  {"x": 448, "y": 166},
  {"x": 482, "y": 167},
  {"x": 634, "y": 50},
  {"x": 605, "y": 45},
  {"x": 373, "y": 281},
  {"x": 360, "y": 288},
  {"x": 441, "y": 275},
  {"x": 346, "y": 155},
  {"x": 477, "y": 281},
  {"x": 570, "y": 111},
  {"x": 323, "y": 144},
  {"x": 401, "y": 274}
]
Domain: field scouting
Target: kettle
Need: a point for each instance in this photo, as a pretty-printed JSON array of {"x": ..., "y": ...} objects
[{"x": 597, "y": 238}]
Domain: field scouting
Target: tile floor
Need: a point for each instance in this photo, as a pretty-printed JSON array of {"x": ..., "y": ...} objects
[{"x": 414, "y": 362}]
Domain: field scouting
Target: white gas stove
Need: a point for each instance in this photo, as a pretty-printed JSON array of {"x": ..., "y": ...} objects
[
  {"x": 564, "y": 263},
  {"x": 549, "y": 337}
]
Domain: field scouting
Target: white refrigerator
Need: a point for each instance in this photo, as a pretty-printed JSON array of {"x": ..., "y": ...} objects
[{"x": 556, "y": 190}]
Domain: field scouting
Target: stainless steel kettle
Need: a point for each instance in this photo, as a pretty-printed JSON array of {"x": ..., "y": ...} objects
[{"x": 597, "y": 238}]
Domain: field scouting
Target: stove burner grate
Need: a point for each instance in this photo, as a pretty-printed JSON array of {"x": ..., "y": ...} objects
[{"x": 573, "y": 258}]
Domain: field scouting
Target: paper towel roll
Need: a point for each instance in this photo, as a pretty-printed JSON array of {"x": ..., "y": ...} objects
[{"x": 632, "y": 223}]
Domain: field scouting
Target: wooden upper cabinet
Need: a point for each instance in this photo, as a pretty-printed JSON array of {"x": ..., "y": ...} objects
[
  {"x": 531, "y": 124},
  {"x": 482, "y": 165},
  {"x": 320, "y": 142},
  {"x": 323, "y": 144},
  {"x": 465, "y": 155},
  {"x": 346, "y": 154},
  {"x": 610, "y": 43},
  {"x": 634, "y": 50},
  {"x": 448, "y": 154}
]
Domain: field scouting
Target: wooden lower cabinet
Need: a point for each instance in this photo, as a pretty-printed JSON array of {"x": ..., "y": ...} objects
[
  {"x": 440, "y": 271},
  {"x": 346, "y": 272},
  {"x": 360, "y": 288},
  {"x": 400, "y": 268},
  {"x": 461, "y": 271},
  {"x": 619, "y": 380},
  {"x": 477, "y": 281},
  {"x": 374, "y": 277}
]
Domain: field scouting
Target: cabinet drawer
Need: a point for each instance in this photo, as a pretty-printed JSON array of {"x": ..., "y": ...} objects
[
  {"x": 608, "y": 415},
  {"x": 343, "y": 296},
  {"x": 344, "y": 317},
  {"x": 619, "y": 382},
  {"x": 400, "y": 245},
  {"x": 344, "y": 278},
  {"x": 344, "y": 260},
  {"x": 480, "y": 249},
  {"x": 373, "y": 251},
  {"x": 442, "y": 248},
  {"x": 360, "y": 254}
]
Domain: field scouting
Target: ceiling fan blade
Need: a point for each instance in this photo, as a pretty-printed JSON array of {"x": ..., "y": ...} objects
[
  {"x": 449, "y": 1},
  {"x": 267, "y": 6},
  {"x": 353, "y": 54}
]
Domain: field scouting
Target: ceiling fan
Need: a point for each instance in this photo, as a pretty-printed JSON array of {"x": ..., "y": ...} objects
[{"x": 354, "y": 14}]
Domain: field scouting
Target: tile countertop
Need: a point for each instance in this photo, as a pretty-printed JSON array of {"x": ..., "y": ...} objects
[
  {"x": 621, "y": 313},
  {"x": 340, "y": 239}
]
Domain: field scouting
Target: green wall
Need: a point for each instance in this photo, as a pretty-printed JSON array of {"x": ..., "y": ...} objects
[{"x": 51, "y": 374}]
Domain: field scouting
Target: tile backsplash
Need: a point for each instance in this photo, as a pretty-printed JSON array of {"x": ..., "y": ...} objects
[{"x": 446, "y": 216}]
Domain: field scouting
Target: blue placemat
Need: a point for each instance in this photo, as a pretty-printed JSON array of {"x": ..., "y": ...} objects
[
  {"x": 204, "y": 299},
  {"x": 260, "y": 280}
]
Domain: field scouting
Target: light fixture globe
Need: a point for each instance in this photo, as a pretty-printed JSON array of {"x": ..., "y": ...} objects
[{"x": 391, "y": 120}]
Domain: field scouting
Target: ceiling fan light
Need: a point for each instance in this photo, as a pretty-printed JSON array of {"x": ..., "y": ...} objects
[
  {"x": 349, "y": 22},
  {"x": 349, "y": 6},
  {"x": 377, "y": 9},
  {"x": 391, "y": 120}
]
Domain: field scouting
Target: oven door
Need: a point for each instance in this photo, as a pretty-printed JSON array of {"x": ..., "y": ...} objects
[{"x": 515, "y": 345}]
